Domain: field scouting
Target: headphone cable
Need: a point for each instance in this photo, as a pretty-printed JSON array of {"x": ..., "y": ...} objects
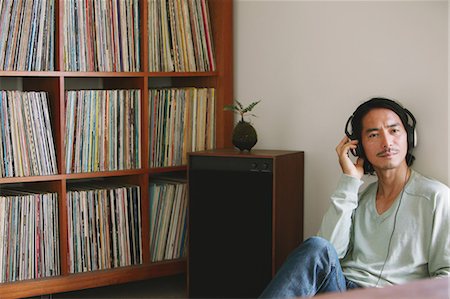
[{"x": 393, "y": 228}]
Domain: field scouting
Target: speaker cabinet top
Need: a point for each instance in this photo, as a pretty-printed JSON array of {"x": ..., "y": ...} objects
[{"x": 232, "y": 152}]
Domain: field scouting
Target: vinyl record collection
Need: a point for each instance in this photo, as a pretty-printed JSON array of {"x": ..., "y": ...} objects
[
  {"x": 102, "y": 130},
  {"x": 181, "y": 120},
  {"x": 27, "y": 32},
  {"x": 180, "y": 36},
  {"x": 100, "y": 102},
  {"x": 29, "y": 234},
  {"x": 104, "y": 227},
  {"x": 27, "y": 147},
  {"x": 101, "y": 36},
  {"x": 168, "y": 205}
]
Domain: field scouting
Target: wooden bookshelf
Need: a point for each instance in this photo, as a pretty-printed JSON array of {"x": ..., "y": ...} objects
[{"x": 55, "y": 83}]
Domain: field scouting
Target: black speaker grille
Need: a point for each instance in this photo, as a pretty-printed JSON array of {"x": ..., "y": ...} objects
[{"x": 230, "y": 221}]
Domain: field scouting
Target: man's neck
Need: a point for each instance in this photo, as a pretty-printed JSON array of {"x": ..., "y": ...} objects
[{"x": 390, "y": 184}]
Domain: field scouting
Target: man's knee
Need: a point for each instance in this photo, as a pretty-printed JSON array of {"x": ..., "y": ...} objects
[
  {"x": 317, "y": 243},
  {"x": 314, "y": 246}
]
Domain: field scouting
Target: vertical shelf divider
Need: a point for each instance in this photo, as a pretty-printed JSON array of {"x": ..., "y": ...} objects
[
  {"x": 145, "y": 218},
  {"x": 63, "y": 228},
  {"x": 144, "y": 36},
  {"x": 59, "y": 35}
]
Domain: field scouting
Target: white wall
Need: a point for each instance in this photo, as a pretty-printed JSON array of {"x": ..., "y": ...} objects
[{"x": 312, "y": 62}]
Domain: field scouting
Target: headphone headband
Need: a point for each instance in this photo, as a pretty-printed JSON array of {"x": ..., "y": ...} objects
[{"x": 404, "y": 114}]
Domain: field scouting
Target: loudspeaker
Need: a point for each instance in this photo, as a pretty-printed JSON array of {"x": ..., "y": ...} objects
[{"x": 245, "y": 216}]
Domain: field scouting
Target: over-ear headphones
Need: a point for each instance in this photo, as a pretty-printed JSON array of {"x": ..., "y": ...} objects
[{"x": 355, "y": 121}]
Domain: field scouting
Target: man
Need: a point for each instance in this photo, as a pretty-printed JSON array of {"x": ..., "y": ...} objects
[{"x": 395, "y": 231}]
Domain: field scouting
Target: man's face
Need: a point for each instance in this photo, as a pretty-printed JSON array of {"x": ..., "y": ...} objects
[{"x": 384, "y": 139}]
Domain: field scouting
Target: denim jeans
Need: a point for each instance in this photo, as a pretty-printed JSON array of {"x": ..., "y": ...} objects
[{"x": 310, "y": 269}]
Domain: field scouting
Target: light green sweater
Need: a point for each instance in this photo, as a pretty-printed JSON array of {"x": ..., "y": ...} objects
[{"x": 420, "y": 245}]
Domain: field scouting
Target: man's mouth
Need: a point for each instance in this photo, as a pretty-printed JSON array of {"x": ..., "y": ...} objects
[{"x": 387, "y": 153}]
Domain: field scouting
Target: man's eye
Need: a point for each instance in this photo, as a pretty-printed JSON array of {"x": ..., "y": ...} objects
[{"x": 373, "y": 135}]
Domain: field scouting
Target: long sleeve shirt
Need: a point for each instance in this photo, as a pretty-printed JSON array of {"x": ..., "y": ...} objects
[{"x": 372, "y": 251}]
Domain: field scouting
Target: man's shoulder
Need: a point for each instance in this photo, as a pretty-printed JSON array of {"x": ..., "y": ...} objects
[{"x": 426, "y": 187}]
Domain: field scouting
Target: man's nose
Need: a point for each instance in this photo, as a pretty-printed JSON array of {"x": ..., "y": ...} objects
[{"x": 386, "y": 140}]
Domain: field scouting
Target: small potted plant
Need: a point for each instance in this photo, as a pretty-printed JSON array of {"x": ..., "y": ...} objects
[{"x": 244, "y": 134}]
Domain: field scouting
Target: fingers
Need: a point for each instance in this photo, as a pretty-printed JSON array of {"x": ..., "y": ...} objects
[
  {"x": 347, "y": 165},
  {"x": 360, "y": 162},
  {"x": 345, "y": 145}
]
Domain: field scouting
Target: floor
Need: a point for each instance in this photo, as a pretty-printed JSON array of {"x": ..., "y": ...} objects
[{"x": 163, "y": 287}]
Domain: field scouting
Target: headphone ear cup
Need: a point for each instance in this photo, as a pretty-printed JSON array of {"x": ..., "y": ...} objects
[
  {"x": 412, "y": 138},
  {"x": 355, "y": 152},
  {"x": 411, "y": 127},
  {"x": 359, "y": 150}
]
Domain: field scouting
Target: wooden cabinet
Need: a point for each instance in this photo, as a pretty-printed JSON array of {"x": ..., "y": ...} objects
[
  {"x": 245, "y": 217},
  {"x": 58, "y": 81}
]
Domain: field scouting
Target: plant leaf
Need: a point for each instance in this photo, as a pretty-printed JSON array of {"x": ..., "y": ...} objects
[
  {"x": 231, "y": 108},
  {"x": 250, "y": 107}
]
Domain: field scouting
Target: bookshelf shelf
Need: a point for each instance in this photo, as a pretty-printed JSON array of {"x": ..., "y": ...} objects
[
  {"x": 119, "y": 74},
  {"x": 72, "y": 282},
  {"x": 182, "y": 74},
  {"x": 103, "y": 74},
  {"x": 104, "y": 174},
  {"x": 57, "y": 82},
  {"x": 25, "y": 179},
  {"x": 167, "y": 169},
  {"x": 30, "y": 74}
]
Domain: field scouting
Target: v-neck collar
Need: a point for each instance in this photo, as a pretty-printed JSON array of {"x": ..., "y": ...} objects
[{"x": 386, "y": 214}]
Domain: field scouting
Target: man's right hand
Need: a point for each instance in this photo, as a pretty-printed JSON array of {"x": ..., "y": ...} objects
[{"x": 348, "y": 167}]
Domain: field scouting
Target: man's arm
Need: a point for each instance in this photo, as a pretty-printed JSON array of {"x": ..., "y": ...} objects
[
  {"x": 439, "y": 254},
  {"x": 337, "y": 223}
]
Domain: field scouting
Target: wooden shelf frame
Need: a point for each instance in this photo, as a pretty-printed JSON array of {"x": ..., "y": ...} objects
[
  {"x": 78, "y": 281},
  {"x": 54, "y": 82}
]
